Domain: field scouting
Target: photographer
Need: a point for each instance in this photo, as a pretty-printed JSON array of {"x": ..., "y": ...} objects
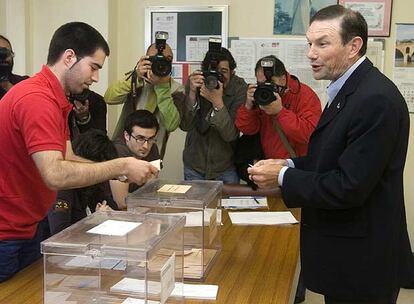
[
  {"x": 291, "y": 106},
  {"x": 208, "y": 117},
  {"x": 89, "y": 112},
  {"x": 149, "y": 89},
  {"x": 7, "y": 78}
]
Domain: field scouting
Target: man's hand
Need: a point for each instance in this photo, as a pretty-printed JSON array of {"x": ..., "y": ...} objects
[
  {"x": 250, "y": 96},
  {"x": 140, "y": 171},
  {"x": 154, "y": 79},
  {"x": 143, "y": 67},
  {"x": 81, "y": 110},
  {"x": 102, "y": 206},
  {"x": 266, "y": 172},
  {"x": 196, "y": 81},
  {"x": 214, "y": 96},
  {"x": 274, "y": 107}
]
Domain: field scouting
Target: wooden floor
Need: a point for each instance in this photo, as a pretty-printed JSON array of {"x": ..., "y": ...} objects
[{"x": 257, "y": 265}]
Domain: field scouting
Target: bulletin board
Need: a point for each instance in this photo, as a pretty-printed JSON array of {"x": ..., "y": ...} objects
[{"x": 188, "y": 26}]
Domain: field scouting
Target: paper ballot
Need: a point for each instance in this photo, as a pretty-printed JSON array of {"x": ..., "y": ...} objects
[
  {"x": 138, "y": 301},
  {"x": 112, "y": 227},
  {"x": 262, "y": 218},
  {"x": 244, "y": 202},
  {"x": 156, "y": 163},
  {"x": 191, "y": 291}
]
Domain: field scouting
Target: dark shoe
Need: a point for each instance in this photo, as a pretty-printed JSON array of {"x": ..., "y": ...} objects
[
  {"x": 299, "y": 299},
  {"x": 300, "y": 290}
]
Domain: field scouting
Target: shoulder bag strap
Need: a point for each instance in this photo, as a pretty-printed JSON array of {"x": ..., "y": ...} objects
[{"x": 283, "y": 137}]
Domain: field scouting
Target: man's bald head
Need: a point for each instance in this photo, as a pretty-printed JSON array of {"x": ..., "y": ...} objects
[{"x": 152, "y": 51}]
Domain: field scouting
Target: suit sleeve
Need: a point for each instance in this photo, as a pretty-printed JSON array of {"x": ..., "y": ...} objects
[{"x": 361, "y": 160}]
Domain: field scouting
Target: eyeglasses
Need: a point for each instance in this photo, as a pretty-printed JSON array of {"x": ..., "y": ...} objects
[{"x": 142, "y": 139}]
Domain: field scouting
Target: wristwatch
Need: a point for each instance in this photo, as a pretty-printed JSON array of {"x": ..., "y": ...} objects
[
  {"x": 84, "y": 121},
  {"x": 214, "y": 111}
]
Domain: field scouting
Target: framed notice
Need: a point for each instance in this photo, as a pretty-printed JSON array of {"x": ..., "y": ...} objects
[
  {"x": 377, "y": 13},
  {"x": 189, "y": 28}
]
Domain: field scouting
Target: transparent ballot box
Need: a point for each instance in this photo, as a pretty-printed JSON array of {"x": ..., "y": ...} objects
[
  {"x": 200, "y": 202},
  {"x": 116, "y": 257}
]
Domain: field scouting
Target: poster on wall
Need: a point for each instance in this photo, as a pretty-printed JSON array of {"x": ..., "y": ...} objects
[
  {"x": 377, "y": 13},
  {"x": 292, "y": 16},
  {"x": 404, "y": 62},
  {"x": 166, "y": 22},
  {"x": 291, "y": 51},
  {"x": 197, "y": 46}
]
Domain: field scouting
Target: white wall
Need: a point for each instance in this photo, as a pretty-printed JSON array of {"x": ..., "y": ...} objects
[
  {"x": 30, "y": 24},
  {"x": 47, "y": 15}
]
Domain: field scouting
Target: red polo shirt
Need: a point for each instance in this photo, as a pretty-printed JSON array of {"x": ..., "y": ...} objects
[{"x": 34, "y": 117}]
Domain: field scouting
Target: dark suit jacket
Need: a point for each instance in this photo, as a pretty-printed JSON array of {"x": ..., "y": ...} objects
[{"x": 354, "y": 241}]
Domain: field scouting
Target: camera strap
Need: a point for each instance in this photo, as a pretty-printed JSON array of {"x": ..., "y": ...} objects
[{"x": 283, "y": 137}]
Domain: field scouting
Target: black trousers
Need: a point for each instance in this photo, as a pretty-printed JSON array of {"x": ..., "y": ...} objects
[{"x": 390, "y": 299}]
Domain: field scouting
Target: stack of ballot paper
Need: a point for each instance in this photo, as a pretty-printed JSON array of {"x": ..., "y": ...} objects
[
  {"x": 89, "y": 262},
  {"x": 156, "y": 163},
  {"x": 193, "y": 261},
  {"x": 262, "y": 218},
  {"x": 244, "y": 202},
  {"x": 191, "y": 291}
]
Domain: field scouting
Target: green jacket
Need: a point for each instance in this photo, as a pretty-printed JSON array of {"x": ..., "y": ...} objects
[
  {"x": 164, "y": 97},
  {"x": 212, "y": 152}
]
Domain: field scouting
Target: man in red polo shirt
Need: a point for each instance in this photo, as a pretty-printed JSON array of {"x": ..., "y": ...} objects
[{"x": 36, "y": 157}]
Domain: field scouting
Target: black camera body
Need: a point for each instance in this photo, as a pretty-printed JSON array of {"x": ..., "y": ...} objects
[
  {"x": 161, "y": 65},
  {"x": 212, "y": 76},
  {"x": 82, "y": 97},
  {"x": 264, "y": 93},
  {"x": 4, "y": 53}
]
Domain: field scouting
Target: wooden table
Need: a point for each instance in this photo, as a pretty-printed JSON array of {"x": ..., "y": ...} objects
[{"x": 258, "y": 264}]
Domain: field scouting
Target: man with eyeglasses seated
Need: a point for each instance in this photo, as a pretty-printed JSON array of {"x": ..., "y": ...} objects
[{"x": 137, "y": 140}]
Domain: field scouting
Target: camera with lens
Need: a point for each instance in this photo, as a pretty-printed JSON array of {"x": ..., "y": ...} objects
[
  {"x": 212, "y": 76},
  {"x": 161, "y": 65},
  {"x": 82, "y": 97},
  {"x": 264, "y": 93},
  {"x": 4, "y": 53},
  {"x": 5, "y": 66}
]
